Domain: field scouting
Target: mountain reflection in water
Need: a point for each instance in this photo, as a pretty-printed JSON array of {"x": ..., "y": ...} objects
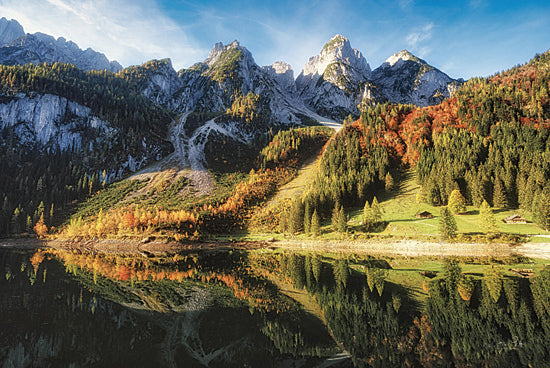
[{"x": 226, "y": 308}]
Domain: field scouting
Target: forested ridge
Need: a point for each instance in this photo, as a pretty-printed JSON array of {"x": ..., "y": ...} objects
[
  {"x": 36, "y": 181},
  {"x": 491, "y": 141}
]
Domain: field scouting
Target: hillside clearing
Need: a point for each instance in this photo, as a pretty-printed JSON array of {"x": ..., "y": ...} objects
[{"x": 400, "y": 207}]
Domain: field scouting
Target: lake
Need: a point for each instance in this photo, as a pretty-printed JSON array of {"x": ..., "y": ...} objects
[{"x": 261, "y": 309}]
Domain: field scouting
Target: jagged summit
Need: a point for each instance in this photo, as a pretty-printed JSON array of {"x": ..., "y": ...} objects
[
  {"x": 405, "y": 78},
  {"x": 10, "y": 30},
  {"x": 220, "y": 49},
  {"x": 334, "y": 82},
  {"x": 337, "y": 50}
]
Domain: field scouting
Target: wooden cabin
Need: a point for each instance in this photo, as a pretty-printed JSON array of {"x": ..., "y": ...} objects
[
  {"x": 514, "y": 219},
  {"x": 424, "y": 215}
]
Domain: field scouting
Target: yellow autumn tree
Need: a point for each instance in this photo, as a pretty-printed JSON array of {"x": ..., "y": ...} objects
[{"x": 41, "y": 229}]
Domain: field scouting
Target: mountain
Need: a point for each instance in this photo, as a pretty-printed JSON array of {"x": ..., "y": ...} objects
[
  {"x": 10, "y": 30},
  {"x": 404, "y": 78},
  {"x": 336, "y": 81},
  {"x": 226, "y": 102},
  {"x": 283, "y": 74},
  {"x": 19, "y": 48}
]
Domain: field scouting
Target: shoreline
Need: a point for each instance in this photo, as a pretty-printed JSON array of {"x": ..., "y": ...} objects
[{"x": 404, "y": 247}]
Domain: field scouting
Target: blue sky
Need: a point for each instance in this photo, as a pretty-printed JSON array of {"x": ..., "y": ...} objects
[{"x": 462, "y": 38}]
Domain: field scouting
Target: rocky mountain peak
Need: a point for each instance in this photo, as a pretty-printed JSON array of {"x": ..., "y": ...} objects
[
  {"x": 338, "y": 45},
  {"x": 402, "y": 55},
  {"x": 337, "y": 51},
  {"x": 405, "y": 78},
  {"x": 333, "y": 82},
  {"x": 10, "y": 30},
  {"x": 39, "y": 48},
  {"x": 220, "y": 50}
]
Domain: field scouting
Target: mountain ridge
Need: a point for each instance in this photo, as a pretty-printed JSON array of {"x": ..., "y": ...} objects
[{"x": 18, "y": 48}]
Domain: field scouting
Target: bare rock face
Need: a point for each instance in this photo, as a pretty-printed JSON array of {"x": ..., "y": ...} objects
[
  {"x": 10, "y": 30},
  {"x": 16, "y": 47},
  {"x": 283, "y": 74},
  {"x": 54, "y": 122},
  {"x": 335, "y": 82},
  {"x": 404, "y": 78}
]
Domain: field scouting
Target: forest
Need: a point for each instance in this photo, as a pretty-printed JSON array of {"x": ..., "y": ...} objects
[
  {"x": 490, "y": 141},
  {"x": 35, "y": 182}
]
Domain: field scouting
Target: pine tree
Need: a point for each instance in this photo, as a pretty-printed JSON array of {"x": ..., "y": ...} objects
[
  {"x": 307, "y": 216},
  {"x": 389, "y": 183},
  {"x": 457, "y": 203},
  {"x": 541, "y": 209},
  {"x": 295, "y": 218},
  {"x": 366, "y": 213},
  {"x": 487, "y": 218},
  {"x": 339, "y": 221},
  {"x": 334, "y": 218},
  {"x": 376, "y": 210},
  {"x": 447, "y": 224},
  {"x": 341, "y": 273},
  {"x": 493, "y": 281},
  {"x": 316, "y": 267},
  {"x": 500, "y": 200},
  {"x": 315, "y": 224}
]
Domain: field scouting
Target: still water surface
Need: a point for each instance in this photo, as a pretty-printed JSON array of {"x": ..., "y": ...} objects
[{"x": 225, "y": 309}]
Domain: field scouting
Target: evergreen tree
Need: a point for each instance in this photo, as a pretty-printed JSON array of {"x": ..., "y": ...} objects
[
  {"x": 389, "y": 183},
  {"x": 372, "y": 214},
  {"x": 316, "y": 266},
  {"x": 366, "y": 213},
  {"x": 452, "y": 273},
  {"x": 487, "y": 218},
  {"x": 500, "y": 200},
  {"x": 295, "y": 218},
  {"x": 307, "y": 216},
  {"x": 457, "y": 203},
  {"x": 493, "y": 281},
  {"x": 376, "y": 210},
  {"x": 341, "y": 273},
  {"x": 315, "y": 224},
  {"x": 339, "y": 221},
  {"x": 447, "y": 224},
  {"x": 541, "y": 209}
]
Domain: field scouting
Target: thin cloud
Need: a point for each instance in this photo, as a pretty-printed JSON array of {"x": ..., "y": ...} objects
[
  {"x": 405, "y": 4},
  {"x": 128, "y": 31},
  {"x": 414, "y": 39}
]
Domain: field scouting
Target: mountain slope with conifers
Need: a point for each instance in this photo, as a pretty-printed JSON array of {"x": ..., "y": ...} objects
[{"x": 490, "y": 141}]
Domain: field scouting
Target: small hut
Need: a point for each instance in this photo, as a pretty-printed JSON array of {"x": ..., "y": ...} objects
[
  {"x": 424, "y": 215},
  {"x": 514, "y": 219}
]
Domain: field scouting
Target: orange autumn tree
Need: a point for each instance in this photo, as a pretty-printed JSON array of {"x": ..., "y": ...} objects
[{"x": 41, "y": 229}]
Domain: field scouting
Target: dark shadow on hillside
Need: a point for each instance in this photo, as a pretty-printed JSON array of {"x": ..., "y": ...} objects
[{"x": 403, "y": 177}]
